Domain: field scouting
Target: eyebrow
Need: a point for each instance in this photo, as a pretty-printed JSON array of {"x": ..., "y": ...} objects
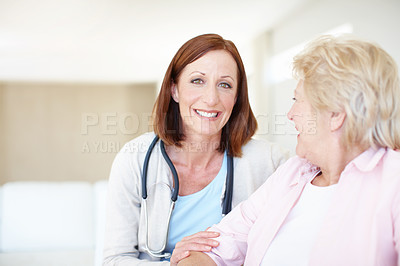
[
  {"x": 198, "y": 72},
  {"x": 228, "y": 77},
  {"x": 203, "y": 74}
]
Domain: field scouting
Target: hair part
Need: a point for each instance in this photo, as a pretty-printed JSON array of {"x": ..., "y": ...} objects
[
  {"x": 168, "y": 124},
  {"x": 357, "y": 77}
]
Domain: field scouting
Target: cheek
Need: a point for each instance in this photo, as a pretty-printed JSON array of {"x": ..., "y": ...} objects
[
  {"x": 187, "y": 99},
  {"x": 229, "y": 102}
]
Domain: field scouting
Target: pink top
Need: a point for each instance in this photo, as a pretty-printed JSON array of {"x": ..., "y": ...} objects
[{"x": 361, "y": 227}]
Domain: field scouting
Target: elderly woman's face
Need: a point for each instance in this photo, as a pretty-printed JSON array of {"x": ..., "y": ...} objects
[
  {"x": 311, "y": 125},
  {"x": 206, "y": 93}
]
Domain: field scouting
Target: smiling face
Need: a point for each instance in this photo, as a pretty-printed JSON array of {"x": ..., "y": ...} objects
[
  {"x": 206, "y": 93},
  {"x": 312, "y": 125}
]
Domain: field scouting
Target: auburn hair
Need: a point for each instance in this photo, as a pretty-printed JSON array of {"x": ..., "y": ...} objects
[{"x": 241, "y": 125}]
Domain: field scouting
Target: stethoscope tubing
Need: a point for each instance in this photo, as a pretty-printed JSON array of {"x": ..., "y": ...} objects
[
  {"x": 146, "y": 166},
  {"x": 226, "y": 204},
  {"x": 175, "y": 192}
]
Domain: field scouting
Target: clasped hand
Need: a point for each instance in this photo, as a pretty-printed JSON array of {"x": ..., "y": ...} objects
[{"x": 202, "y": 241}]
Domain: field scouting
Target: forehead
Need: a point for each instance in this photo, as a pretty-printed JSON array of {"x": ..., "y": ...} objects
[
  {"x": 299, "y": 88},
  {"x": 217, "y": 60}
]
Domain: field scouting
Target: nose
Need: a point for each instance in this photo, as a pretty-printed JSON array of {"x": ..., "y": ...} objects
[
  {"x": 210, "y": 95},
  {"x": 290, "y": 113}
]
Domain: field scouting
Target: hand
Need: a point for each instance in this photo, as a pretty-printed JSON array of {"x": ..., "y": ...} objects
[{"x": 200, "y": 241}]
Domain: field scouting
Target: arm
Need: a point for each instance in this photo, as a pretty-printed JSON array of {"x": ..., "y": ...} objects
[
  {"x": 197, "y": 259},
  {"x": 279, "y": 155},
  {"x": 396, "y": 225},
  {"x": 201, "y": 241},
  {"x": 235, "y": 228},
  {"x": 259, "y": 161},
  {"x": 123, "y": 212}
]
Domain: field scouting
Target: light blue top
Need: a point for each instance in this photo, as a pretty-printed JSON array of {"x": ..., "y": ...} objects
[{"x": 198, "y": 211}]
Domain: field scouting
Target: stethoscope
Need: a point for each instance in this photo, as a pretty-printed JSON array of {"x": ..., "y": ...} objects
[{"x": 226, "y": 204}]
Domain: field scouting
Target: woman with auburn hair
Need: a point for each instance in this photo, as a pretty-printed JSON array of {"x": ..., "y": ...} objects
[
  {"x": 338, "y": 201},
  {"x": 167, "y": 187}
]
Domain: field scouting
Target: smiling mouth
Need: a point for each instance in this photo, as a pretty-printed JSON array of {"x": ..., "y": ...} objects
[
  {"x": 207, "y": 114},
  {"x": 297, "y": 130}
]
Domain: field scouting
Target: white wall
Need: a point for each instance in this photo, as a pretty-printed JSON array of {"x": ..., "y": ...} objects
[
  {"x": 118, "y": 41},
  {"x": 373, "y": 20}
]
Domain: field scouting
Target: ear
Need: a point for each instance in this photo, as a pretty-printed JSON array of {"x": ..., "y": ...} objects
[
  {"x": 174, "y": 92},
  {"x": 337, "y": 120}
]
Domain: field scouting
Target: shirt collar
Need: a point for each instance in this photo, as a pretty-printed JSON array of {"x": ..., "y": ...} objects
[
  {"x": 365, "y": 162},
  {"x": 369, "y": 159},
  {"x": 306, "y": 172}
]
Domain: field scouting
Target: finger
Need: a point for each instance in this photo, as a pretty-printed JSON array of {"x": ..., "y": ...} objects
[
  {"x": 192, "y": 246},
  {"x": 205, "y": 241},
  {"x": 183, "y": 255},
  {"x": 185, "y": 244},
  {"x": 178, "y": 256},
  {"x": 209, "y": 234}
]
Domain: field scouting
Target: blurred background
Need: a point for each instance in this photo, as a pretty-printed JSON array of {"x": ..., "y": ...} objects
[{"x": 79, "y": 78}]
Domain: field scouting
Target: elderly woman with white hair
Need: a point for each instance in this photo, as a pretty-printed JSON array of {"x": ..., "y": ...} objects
[{"x": 338, "y": 201}]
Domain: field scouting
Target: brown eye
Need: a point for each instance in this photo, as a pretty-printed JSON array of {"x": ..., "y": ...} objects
[
  {"x": 197, "y": 81},
  {"x": 225, "y": 85}
]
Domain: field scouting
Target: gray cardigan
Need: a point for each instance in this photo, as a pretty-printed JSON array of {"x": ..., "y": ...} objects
[{"x": 126, "y": 227}]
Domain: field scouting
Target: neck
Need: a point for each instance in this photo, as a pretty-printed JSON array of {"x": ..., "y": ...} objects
[
  {"x": 335, "y": 162},
  {"x": 195, "y": 152}
]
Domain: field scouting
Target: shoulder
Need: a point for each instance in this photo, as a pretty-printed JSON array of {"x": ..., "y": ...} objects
[
  {"x": 391, "y": 168},
  {"x": 134, "y": 151},
  {"x": 128, "y": 163},
  {"x": 261, "y": 146},
  {"x": 296, "y": 165},
  {"x": 290, "y": 172},
  {"x": 391, "y": 182},
  {"x": 393, "y": 157},
  {"x": 139, "y": 144},
  {"x": 265, "y": 152},
  {"x": 259, "y": 161},
  {"x": 257, "y": 145}
]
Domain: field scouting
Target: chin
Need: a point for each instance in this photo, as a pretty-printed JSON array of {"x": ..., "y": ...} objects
[
  {"x": 208, "y": 131},
  {"x": 299, "y": 153}
]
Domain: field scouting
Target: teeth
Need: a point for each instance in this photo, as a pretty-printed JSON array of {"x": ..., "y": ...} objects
[{"x": 206, "y": 114}]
